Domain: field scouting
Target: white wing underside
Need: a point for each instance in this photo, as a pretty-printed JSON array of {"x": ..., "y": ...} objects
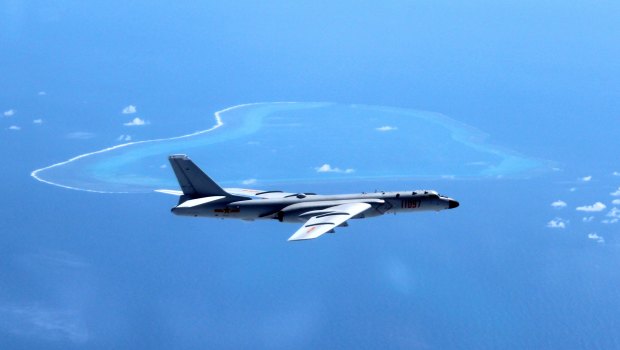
[{"x": 325, "y": 220}]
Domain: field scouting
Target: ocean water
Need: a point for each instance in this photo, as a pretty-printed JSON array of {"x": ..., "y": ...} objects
[
  {"x": 523, "y": 132},
  {"x": 263, "y": 142}
]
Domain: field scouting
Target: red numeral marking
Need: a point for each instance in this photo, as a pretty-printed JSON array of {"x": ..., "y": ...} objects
[{"x": 410, "y": 204}]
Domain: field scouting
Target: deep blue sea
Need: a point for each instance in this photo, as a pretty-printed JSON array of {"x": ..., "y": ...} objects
[{"x": 405, "y": 94}]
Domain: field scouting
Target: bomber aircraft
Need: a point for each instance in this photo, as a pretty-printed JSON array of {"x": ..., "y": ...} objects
[{"x": 202, "y": 197}]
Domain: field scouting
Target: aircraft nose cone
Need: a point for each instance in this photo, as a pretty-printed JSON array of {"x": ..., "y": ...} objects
[{"x": 452, "y": 204}]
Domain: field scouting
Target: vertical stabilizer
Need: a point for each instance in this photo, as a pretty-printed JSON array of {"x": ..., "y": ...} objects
[{"x": 193, "y": 181}]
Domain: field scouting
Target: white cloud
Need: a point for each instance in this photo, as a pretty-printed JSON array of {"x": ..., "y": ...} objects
[
  {"x": 14, "y": 128},
  {"x": 249, "y": 181},
  {"x": 616, "y": 202},
  {"x": 557, "y": 223},
  {"x": 41, "y": 93},
  {"x": 38, "y": 121},
  {"x": 586, "y": 178},
  {"x": 386, "y": 128},
  {"x": 598, "y": 206},
  {"x": 124, "y": 138},
  {"x": 610, "y": 221},
  {"x": 136, "y": 122},
  {"x": 163, "y": 166},
  {"x": 9, "y": 113},
  {"x": 558, "y": 204},
  {"x": 594, "y": 236},
  {"x": 573, "y": 189},
  {"x": 131, "y": 109},
  {"x": 616, "y": 173},
  {"x": 614, "y": 213},
  {"x": 326, "y": 168},
  {"x": 588, "y": 219},
  {"x": 616, "y": 193},
  {"x": 80, "y": 135}
]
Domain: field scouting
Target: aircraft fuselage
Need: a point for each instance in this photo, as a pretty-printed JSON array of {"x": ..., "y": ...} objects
[
  {"x": 291, "y": 209},
  {"x": 200, "y": 196}
]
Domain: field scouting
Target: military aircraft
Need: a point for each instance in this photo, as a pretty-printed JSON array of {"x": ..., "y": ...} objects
[{"x": 202, "y": 197}]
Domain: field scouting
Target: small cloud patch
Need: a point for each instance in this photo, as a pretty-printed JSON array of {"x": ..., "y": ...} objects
[
  {"x": 9, "y": 113},
  {"x": 326, "y": 168},
  {"x": 480, "y": 163},
  {"x": 124, "y": 138},
  {"x": 586, "y": 178},
  {"x": 588, "y": 219},
  {"x": 614, "y": 213},
  {"x": 14, "y": 128},
  {"x": 598, "y": 206},
  {"x": 616, "y": 202},
  {"x": 616, "y": 193},
  {"x": 249, "y": 182},
  {"x": 558, "y": 204},
  {"x": 38, "y": 121},
  {"x": 43, "y": 324},
  {"x": 131, "y": 109},
  {"x": 136, "y": 122},
  {"x": 80, "y": 135},
  {"x": 595, "y": 237},
  {"x": 557, "y": 223},
  {"x": 386, "y": 128},
  {"x": 616, "y": 173}
]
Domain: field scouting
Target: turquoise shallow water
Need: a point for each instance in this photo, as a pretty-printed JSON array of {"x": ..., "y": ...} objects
[{"x": 266, "y": 144}]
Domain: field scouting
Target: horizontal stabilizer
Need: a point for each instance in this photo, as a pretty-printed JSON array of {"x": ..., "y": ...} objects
[
  {"x": 172, "y": 192},
  {"x": 199, "y": 201}
]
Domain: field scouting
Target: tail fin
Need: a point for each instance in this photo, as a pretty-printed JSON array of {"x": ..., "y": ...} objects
[{"x": 193, "y": 181}]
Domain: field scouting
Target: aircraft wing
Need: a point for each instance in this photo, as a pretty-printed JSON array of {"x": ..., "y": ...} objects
[
  {"x": 241, "y": 192},
  {"x": 258, "y": 193},
  {"x": 325, "y": 220}
]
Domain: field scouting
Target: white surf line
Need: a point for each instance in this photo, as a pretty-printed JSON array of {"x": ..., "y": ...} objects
[{"x": 219, "y": 123}]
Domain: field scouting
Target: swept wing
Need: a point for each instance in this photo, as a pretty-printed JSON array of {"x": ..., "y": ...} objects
[
  {"x": 325, "y": 220},
  {"x": 262, "y": 194}
]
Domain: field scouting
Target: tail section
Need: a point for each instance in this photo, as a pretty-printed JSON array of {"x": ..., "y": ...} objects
[{"x": 193, "y": 181}]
